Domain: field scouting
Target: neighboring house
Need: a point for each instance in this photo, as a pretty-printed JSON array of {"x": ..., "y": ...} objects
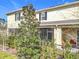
[
  {"x": 3, "y": 27},
  {"x": 59, "y": 23}
]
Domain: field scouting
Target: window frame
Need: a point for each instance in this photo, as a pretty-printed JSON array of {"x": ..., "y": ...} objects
[
  {"x": 44, "y": 33},
  {"x": 17, "y": 16},
  {"x": 43, "y": 16}
]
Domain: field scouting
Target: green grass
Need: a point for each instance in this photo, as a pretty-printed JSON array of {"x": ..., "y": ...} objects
[{"x": 5, "y": 55}]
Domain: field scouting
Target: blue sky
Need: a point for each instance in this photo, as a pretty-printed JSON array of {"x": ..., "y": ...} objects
[{"x": 9, "y": 5}]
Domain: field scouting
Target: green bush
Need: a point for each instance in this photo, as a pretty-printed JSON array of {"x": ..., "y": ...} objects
[
  {"x": 4, "y": 55},
  {"x": 11, "y": 41}
]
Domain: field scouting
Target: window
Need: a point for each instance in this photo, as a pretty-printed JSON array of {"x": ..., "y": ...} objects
[
  {"x": 78, "y": 37},
  {"x": 50, "y": 34},
  {"x": 43, "y": 33},
  {"x": 13, "y": 31},
  {"x": 46, "y": 33},
  {"x": 43, "y": 16},
  {"x": 17, "y": 16}
]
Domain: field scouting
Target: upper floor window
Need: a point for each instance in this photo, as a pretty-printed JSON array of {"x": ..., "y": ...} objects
[
  {"x": 17, "y": 16},
  {"x": 43, "y": 16}
]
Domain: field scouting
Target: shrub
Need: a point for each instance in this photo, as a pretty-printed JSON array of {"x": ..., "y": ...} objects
[{"x": 11, "y": 41}]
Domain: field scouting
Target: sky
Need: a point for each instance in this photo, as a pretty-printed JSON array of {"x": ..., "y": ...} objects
[{"x": 9, "y": 5}]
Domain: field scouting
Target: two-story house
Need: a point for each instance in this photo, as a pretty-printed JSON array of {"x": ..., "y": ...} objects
[{"x": 59, "y": 22}]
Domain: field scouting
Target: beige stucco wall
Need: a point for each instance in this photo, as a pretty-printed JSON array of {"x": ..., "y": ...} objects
[
  {"x": 11, "y": 23},
  {"x": 62, "y": 14},
  {"x": 54, "y": 15}
]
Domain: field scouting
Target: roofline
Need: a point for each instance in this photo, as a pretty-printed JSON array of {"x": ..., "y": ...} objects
[
  {"x": 62, "y": 22},
  {"x": 63, "y": 5},
  {"x": 46, "y": 9},
  {"x": 11, "y": 12}
]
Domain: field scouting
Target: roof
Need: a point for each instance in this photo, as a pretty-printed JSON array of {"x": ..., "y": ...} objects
[
  {"x": 62, "y": 22},
  {"x": 51, "y": 8},
  {"x": 61, "y": 6},
  {"x": 11, "y": 12}
]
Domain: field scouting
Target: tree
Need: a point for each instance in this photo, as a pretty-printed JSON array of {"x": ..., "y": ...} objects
[{"x": 28, "y": 38}]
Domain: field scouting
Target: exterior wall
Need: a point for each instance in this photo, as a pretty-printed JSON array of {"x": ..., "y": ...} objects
[
  {"x": 62, "y": 14},
  {"x": 58, "y": 37},
  {"x": 54, "y": 15},
  {"x": 11, "y": 23},
  {"x": 37, "y": 16}
]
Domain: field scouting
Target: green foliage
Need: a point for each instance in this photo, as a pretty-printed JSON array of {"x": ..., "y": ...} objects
[
  {"x": 28, "y": 38},
  {"x": 48, "y": 50},
  {"x": 1, "y": 40},
  {"x": 11, "y": 41},
  {"x": 67, "y": 54},
  {"x": 4, "y": 55}
]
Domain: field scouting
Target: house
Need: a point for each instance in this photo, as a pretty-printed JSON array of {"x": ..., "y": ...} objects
[{"x": 59, "y": 22}]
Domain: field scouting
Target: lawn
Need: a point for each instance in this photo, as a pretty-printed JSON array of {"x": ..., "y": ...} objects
[{"x": 5, "y": 55}]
